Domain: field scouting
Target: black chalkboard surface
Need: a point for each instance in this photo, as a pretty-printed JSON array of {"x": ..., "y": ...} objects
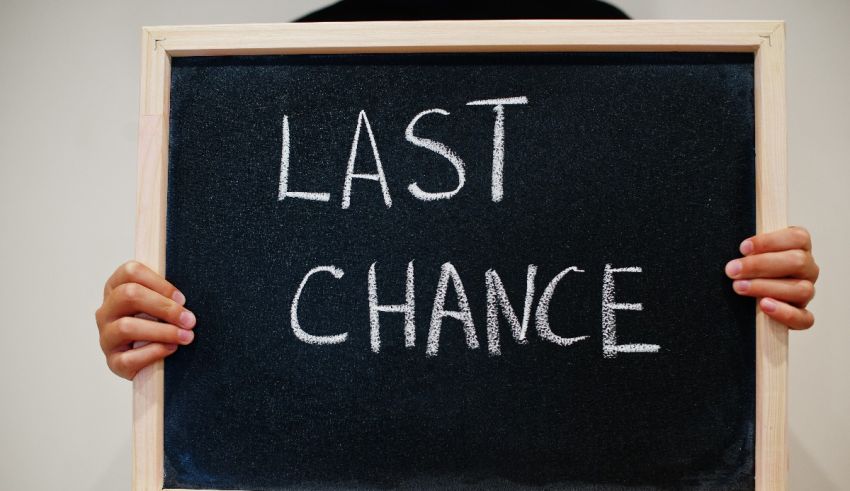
[{"x": 483, "y": 270}]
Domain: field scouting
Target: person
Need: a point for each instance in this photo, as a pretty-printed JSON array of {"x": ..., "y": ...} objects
[{"x": 140, "y": 306}]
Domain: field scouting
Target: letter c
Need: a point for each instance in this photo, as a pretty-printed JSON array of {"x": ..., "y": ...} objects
[{"x": 296, "y": 326}]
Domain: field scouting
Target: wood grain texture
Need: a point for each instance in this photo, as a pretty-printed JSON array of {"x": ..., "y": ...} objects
[
  {"x": 771, "y": 211},
  {"x": 486, "y": 35},
  {"x": 764, "y": 38},
  {"x": 148, "y": 385}
]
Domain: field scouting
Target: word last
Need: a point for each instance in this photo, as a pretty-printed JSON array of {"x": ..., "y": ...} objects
[
  {"x": 438, "y": 148},
  {"x": 498, "y": 307}
]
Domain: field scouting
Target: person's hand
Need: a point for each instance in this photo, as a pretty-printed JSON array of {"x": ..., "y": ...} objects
[
  {"x": 779, "y": 270},
  {"x": 140, "y": 306}
]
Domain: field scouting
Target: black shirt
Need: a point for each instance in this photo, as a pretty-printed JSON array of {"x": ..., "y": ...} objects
[{"x": 364, "y": 10}]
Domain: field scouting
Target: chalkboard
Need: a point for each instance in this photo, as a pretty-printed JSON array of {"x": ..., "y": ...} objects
[{"x": 461, "y": 270}]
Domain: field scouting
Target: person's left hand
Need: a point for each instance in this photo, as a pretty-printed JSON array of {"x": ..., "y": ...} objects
[{"x": 779, "y": 270}]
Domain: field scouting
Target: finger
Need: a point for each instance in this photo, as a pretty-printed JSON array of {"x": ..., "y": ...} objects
[
  {"x": 138, "y": 344},
  {"x": 796, "y": 292},
  {"x": 792, "y": 317},
  {"x": 125, "y": 330},
  {"x": 136, "y": 272},
  {"x": 795, "y": 263},
  {"x": 129, "y": 299},
  {"x": 127, "y": 364},
  {"x": 780, "y": 240}
]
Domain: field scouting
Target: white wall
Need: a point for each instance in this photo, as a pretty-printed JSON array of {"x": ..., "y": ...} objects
[{"x": 68, "y": 117}]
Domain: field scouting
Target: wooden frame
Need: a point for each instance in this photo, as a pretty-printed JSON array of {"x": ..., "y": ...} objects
[{"x": 763, "y": 38}]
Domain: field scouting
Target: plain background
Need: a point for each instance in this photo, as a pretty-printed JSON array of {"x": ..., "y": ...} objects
[{"x": 69, "y": 89}]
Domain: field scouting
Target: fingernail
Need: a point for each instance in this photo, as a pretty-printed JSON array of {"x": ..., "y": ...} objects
[
  {"x": 185, "y": 336},
  {"x": 170, "y": 346},
  {"x": 741, "y": 285},
  {"x": 768, "y": 305},
  {"x": 733, "y": 268},
  {"x": 178, "y": 297},
  {"x": 746, "y": 247},
  {"x": 187, "y": 319}
]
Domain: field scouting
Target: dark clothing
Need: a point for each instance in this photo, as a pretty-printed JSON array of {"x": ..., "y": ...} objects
[{"x": 363, "y": 10}]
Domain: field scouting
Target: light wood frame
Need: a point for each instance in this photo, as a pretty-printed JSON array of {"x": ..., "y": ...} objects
[{"x": 763, "y": 38}]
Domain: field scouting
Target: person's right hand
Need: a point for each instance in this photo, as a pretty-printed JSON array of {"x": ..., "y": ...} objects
[{"x": 140, "y": 305}]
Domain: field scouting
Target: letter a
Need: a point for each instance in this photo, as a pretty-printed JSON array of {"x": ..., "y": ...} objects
[{"x": 377, "y": 176}]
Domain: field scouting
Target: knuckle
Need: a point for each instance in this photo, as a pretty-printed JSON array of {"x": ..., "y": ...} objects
[
  {"x": 131, "y": 291},
  {"x": 801, "y": 234},
  {"x": 119, "y": 365},
  {"x": 810, "y": 319},
  {"x": 124, "y": 327},
  {"x": 806, "y": 321},
  {"x": 120, "y": 292},
  {"x": 797, "y": 319},
  {"x": 132, "y": 268},
  {"x": 167, "y": 311},
  {"x": 172, "y": 311},
  {"x": 806, "y": 289}
]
